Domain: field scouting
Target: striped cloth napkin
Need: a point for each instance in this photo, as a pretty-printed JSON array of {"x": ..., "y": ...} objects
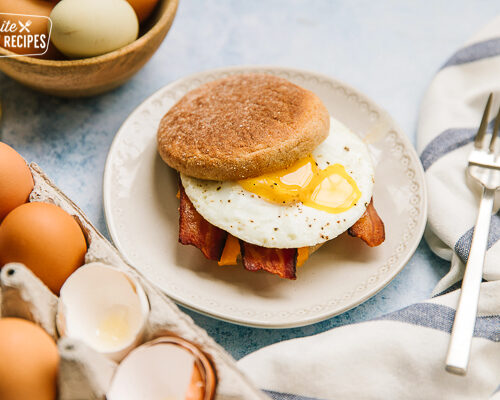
[
  {"x": 450, "y": 116},
  {"x": 401, "y": 355}
]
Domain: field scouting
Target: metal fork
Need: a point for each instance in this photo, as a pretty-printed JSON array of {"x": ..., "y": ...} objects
[{"x": 484, "y": 167}]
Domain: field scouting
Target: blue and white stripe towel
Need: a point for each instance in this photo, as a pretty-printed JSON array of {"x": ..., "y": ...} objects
[
  {"x": 401, "y": 355},
  {"x": 450, "y": 115}
]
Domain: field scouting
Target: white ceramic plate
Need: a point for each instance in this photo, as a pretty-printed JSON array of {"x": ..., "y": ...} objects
[{"x": 141, "y": 211}]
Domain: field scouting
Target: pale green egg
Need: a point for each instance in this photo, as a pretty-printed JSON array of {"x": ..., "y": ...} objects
[{"x": 90, "y": 28}]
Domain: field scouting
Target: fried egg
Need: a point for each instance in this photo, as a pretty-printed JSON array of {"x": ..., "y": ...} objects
[{"x": 313, "y": 201}]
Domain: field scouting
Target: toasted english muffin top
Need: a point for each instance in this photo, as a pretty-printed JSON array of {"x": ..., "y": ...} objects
[{"x": 241, "y": 126}]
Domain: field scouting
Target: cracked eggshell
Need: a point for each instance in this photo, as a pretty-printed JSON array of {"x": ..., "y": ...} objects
[
  {"x": 104, "y": 308},
  {"x": 165, "y": 368}
]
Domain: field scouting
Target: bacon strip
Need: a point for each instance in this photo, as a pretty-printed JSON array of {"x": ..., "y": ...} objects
[
  {"x": 369, "y": 227},
  {"x": 281, "y": 262},
  {"x": 197, "y": 231}
]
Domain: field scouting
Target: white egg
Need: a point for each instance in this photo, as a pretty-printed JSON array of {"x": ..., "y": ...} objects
[
  {"x": 261, "y": 222},
  {"x": 92, "y": 27}
]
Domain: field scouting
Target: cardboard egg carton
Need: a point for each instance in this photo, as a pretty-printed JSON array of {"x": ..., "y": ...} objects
[{"x": 84, "y": 373}]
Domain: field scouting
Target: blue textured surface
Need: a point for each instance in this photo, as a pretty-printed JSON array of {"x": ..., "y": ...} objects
[{"x": 389, "y": 50}]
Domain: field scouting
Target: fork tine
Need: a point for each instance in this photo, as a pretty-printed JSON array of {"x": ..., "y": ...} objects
[
  {"x": 495, "y": 132},
  {"x": 478, "y": 142}
]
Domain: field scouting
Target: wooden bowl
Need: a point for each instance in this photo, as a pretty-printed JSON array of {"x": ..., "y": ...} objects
[{"x": 94, "y": 75}]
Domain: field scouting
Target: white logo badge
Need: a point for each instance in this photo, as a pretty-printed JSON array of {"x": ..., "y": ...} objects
[{"x": 17, "y": 34}]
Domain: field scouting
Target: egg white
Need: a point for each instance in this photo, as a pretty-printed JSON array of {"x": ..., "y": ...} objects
[{"x": 258, "y": 221}]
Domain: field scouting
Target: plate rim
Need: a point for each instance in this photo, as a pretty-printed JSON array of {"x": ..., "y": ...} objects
[{"x": 254, "y": 323}]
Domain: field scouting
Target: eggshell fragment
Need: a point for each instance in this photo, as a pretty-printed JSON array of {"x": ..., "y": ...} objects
[
  {"x": 29, "y": 361},
  {"x": 16, "y": 182},
  {"x": 92, "y": 27},
  {"x": 165, "y": 368},
  {"x": 104, "y": 308},
  {"x": 46, "y": 239}
]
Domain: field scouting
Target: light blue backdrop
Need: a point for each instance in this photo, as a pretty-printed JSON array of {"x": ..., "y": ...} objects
[{"x": 389, "y": 49}]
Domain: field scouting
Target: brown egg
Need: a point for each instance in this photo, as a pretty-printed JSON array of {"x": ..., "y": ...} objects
[
  {"x": 29, "y": 361},
  {"x": 16, "y": 181},
  {"x": 38, "y": 25},
  {"x": 46, "y": 239},
  {"x": 143, "y": 8}
]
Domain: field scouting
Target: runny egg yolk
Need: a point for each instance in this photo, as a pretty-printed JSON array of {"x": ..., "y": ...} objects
[{"x": 331, "y": 189}]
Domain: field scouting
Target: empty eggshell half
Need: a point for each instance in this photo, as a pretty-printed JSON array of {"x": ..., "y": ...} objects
[
  {"x": 165, "y": 368},
  {"x": 103, "y": 307}
]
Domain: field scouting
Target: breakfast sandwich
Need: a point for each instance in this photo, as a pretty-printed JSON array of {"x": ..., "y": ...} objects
[{"x": 266, "y": 176}]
